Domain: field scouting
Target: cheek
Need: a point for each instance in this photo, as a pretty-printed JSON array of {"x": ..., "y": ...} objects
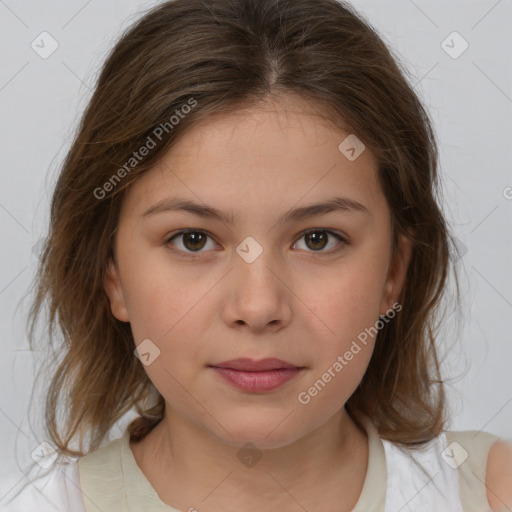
[
  {"x": 168, "y": 315},
  {"x": 157, "y": 295},
  {"x": 332, "y": 384},
  {"x": 348, "y": 300},
  {"x": 168, "y": 308},
  {"x": 348, "y": 306},
  {"x": 170, "y": 318}
]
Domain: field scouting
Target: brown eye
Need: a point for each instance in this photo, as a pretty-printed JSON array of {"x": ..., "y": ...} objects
[
  {"x": 317, "y": 239},
  {"x": 191, "y": 241},
  {"x": 194, "y": 241}
]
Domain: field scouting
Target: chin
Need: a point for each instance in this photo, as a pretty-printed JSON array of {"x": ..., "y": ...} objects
[{"x": 264, "y": 433}]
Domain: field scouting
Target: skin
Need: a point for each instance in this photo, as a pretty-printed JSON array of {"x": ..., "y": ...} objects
[
  {"x": 293, "y": 302},
  {"x": 499, "y": 476}
]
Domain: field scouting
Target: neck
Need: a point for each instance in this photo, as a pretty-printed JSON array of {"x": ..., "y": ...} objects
[{"x": 185, "y": 463}]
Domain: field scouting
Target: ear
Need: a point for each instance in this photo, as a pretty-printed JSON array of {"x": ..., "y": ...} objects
[
  {"x": 114, "y": 290},
  {"x": 396, "y": 273}
]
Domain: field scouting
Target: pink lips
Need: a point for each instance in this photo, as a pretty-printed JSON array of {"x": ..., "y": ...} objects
[{"x": 256, "y": 376}]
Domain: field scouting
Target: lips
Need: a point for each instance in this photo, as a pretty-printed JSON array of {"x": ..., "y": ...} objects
[
  {"x": 251, "y": 365},
  {"x": 256, "y": 376}
]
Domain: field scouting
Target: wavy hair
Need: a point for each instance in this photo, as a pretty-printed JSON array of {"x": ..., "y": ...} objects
[{"x": 229, "y": 55}]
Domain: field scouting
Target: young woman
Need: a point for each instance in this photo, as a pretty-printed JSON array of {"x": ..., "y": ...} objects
[{"x": 246, "y": 247}]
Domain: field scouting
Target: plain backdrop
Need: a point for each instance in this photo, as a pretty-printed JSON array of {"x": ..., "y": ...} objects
[{"x": 464, "y": 80}]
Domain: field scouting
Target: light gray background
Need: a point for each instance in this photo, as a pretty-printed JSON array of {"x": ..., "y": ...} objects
[{"x": 470, "y": 100}]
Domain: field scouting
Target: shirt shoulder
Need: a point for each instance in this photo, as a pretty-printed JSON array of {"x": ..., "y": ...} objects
[
  {"x": 103, "y": 477},
  {"x": 418, "y": 478},
  {"x": 56, "y": 489},
  {"x": 468, "y": 452},
  {"x": 113, "y": 482}
]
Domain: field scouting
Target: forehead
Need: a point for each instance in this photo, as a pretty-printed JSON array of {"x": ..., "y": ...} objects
[{"x": 261, "y": 158}]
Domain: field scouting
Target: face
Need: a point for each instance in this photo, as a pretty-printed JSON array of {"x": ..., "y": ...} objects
[{"x": 250, "y": 283}]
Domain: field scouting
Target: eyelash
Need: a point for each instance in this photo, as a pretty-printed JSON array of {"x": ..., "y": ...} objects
[{"x": 303, "y": 233}]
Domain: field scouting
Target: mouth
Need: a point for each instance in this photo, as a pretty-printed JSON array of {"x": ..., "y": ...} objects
[{"x": 256, "y": 376}]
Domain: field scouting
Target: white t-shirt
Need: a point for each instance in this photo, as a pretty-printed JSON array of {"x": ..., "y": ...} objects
[
  {"x": 447, "y": 475},
  {"x": 56, "y": 489}
]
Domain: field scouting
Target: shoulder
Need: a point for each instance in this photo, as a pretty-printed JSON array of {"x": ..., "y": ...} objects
[
  {"x": 419, "y": 478},
  {"x": 51, "y": 490},
  {"x": 108, "y": 456},
  {"x": 484, "y": 463},
  {"x": 59, "y": 487},
  {"x": 499, "y": 476},
  {"x": 103, "y": 474}
]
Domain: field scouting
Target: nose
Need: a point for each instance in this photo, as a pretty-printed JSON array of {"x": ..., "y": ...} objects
[{"x": 257, "y": 295}]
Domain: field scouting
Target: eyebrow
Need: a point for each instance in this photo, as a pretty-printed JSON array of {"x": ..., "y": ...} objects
[{"x": 336, "y": 204}]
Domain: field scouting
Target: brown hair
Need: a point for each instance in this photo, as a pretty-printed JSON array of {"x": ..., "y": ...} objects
[{"x": 221, "y": 56}]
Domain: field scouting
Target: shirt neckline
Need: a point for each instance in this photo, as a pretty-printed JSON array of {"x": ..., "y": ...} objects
[{"x": 141, "y": 495}]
